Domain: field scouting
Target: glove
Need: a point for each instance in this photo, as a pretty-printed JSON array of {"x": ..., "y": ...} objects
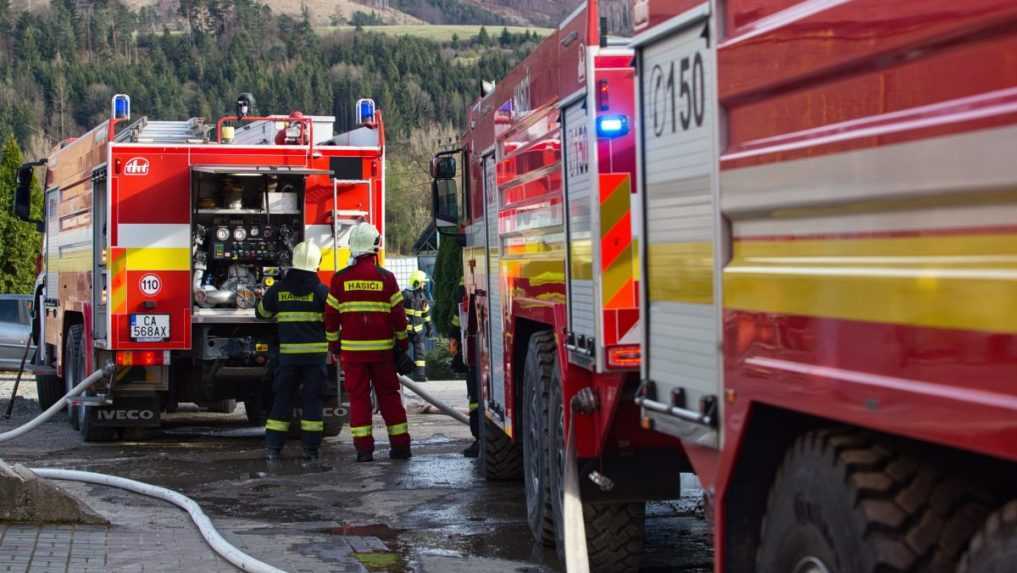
[{"x": 404, "y": 364}]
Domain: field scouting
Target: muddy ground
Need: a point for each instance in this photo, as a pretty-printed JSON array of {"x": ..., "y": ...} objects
[{"x": 433, "y": 513}]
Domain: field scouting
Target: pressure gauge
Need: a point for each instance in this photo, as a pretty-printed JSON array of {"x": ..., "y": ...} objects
[
  {"x": 222, "y": 234},
  {"x": 255, "y": 232},
  {"x": 239, "y": 234},
  {"x": 267, "y": 232}
]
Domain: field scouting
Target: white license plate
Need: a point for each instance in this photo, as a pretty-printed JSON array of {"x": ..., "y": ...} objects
[{"x": 150, "y": 327}]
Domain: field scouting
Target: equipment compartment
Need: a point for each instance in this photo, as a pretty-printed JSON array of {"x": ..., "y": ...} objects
[{"x": 244, "y": 227}]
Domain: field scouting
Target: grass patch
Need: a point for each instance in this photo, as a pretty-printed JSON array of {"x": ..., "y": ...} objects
[
  {"x": 378, "y": 561},
  {"x": 438, "y": 32}
]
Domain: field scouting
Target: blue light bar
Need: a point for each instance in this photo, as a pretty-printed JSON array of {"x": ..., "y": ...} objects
[
  {"x": 121, "y": 106},
  {"x": 612, "y": 126},
  {"x": 365, "y": 111}
]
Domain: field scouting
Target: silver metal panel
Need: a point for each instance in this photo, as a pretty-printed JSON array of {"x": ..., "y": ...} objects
[
  {"x": 580, "y": 178},
  {"x": 495, "y": 296},
  {"x": 679, "y": 162}
]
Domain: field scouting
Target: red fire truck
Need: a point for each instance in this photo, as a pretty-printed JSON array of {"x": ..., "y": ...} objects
[
  {"x": 828, "y": 260},
  {"x": 545, "y": 213},
  {"x": 161, "y": 237}
]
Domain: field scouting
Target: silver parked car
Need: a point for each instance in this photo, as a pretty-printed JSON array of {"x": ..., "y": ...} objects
[{"x": 15, "y": 328}]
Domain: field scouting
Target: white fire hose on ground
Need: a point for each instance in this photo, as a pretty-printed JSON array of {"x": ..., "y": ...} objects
[{"x": 230, "y": 553}]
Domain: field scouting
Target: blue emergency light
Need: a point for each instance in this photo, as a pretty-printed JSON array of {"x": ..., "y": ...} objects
[
  {"x": 365, "y": 111},
  {"x": 121, "y": 106},
  {"x": 612, "y": 126}
]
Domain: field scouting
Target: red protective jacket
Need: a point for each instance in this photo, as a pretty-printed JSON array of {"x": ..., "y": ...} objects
[{"x": 364, "y": 316}]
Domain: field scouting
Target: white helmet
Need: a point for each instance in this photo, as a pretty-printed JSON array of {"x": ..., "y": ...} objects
[
  {"x": 364, "y": 240},
  {"x": 306, "y": 257}
]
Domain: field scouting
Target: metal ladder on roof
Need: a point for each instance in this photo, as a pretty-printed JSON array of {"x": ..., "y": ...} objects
[{"x": 168, "y": 132}]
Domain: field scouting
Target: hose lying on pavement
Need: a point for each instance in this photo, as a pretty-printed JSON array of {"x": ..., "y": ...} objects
[
  {"x": 445, "y": 408},
  {"x": 228, "y": 552},
  {"x": 59, "y": 405},
  {"x": 241, "y": 560}
]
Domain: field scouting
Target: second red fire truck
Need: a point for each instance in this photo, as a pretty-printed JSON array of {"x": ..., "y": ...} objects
[{"x": 547, "y": 215}]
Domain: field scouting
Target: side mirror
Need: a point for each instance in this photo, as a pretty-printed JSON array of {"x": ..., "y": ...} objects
[
  {"x": 445, "y": 203},
  {"x": 23, "y": 193},
  {"x": 443, "y": 167}
]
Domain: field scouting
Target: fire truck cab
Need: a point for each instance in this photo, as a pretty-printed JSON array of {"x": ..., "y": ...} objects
[{"x": 160, "y": 238}]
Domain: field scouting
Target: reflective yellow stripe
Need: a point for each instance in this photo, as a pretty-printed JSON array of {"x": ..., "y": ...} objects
[
  {"x": 158, "y": 259},
  {"x": 364, "y": 307},
  {"x": 455, "y": 320},
  {"x": 332, "y": 301},
  {"x": 416, "y": 328},
  {"x": 304, "y": 348},
  {"x": 474, "y": 406},
  {"x": 300, "y": 317},
  {"x": 401, "y": 335},
  {"x": 332, "y": 336},
  {"x": 368, "y": 345},
  {"x": 285, "y": 296},
  {"x": 396, "y": 299},
  {"x": 262, "y": 312},
  {"x": 411, "y": 312},
  {"x": 398, "y": 429},
  {"x": 360, "y": 431},
  {"x": 312, "y": 425},
  {"x": 277, "y": 425},
  {"x": 420, "y": 363}
]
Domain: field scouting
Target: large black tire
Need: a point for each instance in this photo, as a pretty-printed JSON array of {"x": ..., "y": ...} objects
[
  {"x": 614, "y": 531},
  {"x": 853, "y": 501},
  {"x": 50, "y": 389},
  {"x": 74, "y": 373},
  {"x": 537, "y": 374},
  {"x": 500, "y": 459},
  {"x": 994, "y": 547},
  {"x": 74, "y": 367}
]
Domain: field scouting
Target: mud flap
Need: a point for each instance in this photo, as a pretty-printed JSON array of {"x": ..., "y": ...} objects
[
  {"x": 334, "y": 414},
  {"x": 127, "y": 412}
]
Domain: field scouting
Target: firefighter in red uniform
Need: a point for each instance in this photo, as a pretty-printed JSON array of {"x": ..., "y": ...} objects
[{"x": 365, "y": 325}]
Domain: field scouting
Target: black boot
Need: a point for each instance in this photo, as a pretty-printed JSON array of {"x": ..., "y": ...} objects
[
  {"x": 472, "y": 451},
  {"x": 365, "y": 457},
  {"x": 273, "y": 455},
  {"x": 400, "y": 453},
  {"x": 311, "y": 455},
  {"x": 420, "y": 375}
]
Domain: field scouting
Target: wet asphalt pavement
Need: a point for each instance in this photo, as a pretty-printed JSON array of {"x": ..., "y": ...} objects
[{"x": 432, "y": 513}]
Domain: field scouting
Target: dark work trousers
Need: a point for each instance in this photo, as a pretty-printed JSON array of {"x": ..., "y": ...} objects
[
  {"x": 418, "y": 345},
  {"x": 307, "y": 380}
]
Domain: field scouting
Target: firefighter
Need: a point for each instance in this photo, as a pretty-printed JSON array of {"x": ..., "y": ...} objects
[
  {"x": 365, "y": 325},
  {"x": 297, "y": 303},
  {"x": 418, "y": 315}
]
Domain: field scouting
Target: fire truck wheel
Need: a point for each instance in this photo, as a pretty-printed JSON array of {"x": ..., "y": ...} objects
[
  {"x": 538, "y": 371},
  {"x": 74, "y": 367},
  {"x": 500, "y": 458},
  {"x": 614, "y": 532},
  {"x": 50, "y": 389},
  {"x": 848, "y": 500},
  {"x": 994, "y": 547}
]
